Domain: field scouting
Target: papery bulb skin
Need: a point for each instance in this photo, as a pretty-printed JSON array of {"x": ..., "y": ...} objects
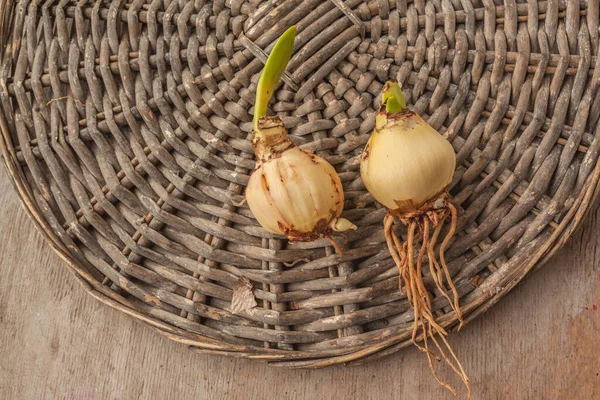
[
  {"x": 406, "y": 162},
  {"x": 293, "y": 192}
]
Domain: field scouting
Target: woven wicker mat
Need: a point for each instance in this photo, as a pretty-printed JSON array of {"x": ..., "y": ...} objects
[{"x": 125, "y": 128}]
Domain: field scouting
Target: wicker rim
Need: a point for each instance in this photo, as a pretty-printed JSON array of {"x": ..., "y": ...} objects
[{"x": 479, "y": 300}]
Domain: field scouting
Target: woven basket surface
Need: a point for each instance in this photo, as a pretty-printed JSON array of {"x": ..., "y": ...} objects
[{"x": 126, "y": 127}]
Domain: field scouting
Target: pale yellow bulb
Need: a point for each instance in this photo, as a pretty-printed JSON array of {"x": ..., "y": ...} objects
[
  {"x": 293, "y": 192},
  {"x": 406, "y": 162}
]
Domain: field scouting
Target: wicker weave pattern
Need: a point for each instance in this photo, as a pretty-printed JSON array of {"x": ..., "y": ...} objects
[{"x": 126, "y": 130}]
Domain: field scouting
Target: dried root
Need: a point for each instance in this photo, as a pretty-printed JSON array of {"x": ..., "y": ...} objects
[
  {"x": 336, "y": 246},
  {"x": 411, "y": 274}
]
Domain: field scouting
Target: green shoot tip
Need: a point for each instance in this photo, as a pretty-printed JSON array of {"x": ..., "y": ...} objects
[{"x": 392, "y": 97}]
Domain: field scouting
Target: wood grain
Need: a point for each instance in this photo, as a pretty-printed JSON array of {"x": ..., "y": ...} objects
[{"x": 56, "y": 342}]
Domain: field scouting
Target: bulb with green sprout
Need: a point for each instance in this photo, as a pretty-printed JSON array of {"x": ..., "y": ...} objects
[
  {"x": 407, "y": 166},
  {"x": 291, "y": 192}
]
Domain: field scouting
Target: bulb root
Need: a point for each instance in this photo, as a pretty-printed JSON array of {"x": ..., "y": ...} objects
[
  {"x": 425, "y": 328},
  {"x": 336, "y": 246}
]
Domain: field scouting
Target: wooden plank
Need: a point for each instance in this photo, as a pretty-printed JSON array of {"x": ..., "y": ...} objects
[{"x": 56, "y": 342}]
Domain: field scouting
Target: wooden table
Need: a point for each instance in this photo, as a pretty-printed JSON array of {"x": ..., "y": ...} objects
[{"x": 56, "y": 342}]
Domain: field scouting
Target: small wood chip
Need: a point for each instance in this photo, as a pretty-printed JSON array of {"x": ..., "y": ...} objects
[
  {"x": 477, "y": 280},
  {"x": 243, "y": 297}
]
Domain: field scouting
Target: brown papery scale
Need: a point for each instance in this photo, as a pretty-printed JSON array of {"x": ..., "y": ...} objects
[{"x": 407, "y": 166}]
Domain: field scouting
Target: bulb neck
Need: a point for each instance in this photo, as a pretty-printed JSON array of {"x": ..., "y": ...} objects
[
  {"x": 270, "y": 138},
  {"x": 405, "y": 118}
]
